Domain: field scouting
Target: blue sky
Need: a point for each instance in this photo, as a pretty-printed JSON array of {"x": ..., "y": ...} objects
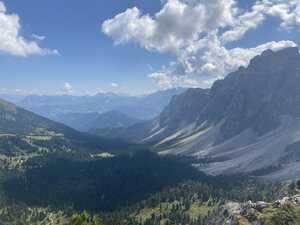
[{"x": 91, "y": 59}]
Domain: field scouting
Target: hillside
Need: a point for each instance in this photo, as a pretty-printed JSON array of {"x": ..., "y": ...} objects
[
  {"x": 113, "y": 119},
  {"x": 94, "y": 121},
  {"x": 17, "y": 122}
]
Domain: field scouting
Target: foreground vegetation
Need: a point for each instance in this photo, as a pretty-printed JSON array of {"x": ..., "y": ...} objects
[
  {"x": 46, "y": 180},
  {"x": 192, "y": 202}
]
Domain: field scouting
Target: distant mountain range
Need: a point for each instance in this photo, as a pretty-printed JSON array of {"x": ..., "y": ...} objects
[
  {"x": 249, "y": 121},
  {"x": 139, "y": 107}
]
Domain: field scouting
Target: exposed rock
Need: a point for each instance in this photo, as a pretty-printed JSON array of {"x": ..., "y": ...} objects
[
  {"x": 251, "y": 213},
  {"x": 260, "y": 205},
  {"x": 294, "y": 200}
]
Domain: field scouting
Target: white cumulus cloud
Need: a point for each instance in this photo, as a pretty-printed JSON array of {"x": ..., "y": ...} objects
[
  {"x": 197, "y": 33},
  {"x": 12, "y": 42},
  {"x": 176, "y": 25},
  {"x": 287, "y": 10}
]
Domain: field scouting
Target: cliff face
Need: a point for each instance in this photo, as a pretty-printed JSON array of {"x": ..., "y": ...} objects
[
  {"x": 254, "y": 97},
  {"x": 245, "y": 122}
]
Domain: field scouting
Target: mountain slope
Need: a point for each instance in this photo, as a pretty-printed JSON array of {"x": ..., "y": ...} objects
[
  {"x": 112, "y": 119},
  {"x": 245, "y": 122},
  {"x": 94, "y": 121},
  {"x": 78, "y": 121}
]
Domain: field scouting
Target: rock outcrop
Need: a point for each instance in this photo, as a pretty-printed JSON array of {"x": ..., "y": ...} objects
[{"x": 282, "y": 211}]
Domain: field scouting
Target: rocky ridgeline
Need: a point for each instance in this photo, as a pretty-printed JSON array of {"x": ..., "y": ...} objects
[{"x": 282, "y": 211}]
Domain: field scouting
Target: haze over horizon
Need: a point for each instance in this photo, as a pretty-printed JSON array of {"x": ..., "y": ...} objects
[{"x": 135, "y": 47}]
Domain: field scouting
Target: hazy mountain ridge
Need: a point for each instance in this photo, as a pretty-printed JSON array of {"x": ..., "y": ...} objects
[{"x": 140, "y": 107}]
